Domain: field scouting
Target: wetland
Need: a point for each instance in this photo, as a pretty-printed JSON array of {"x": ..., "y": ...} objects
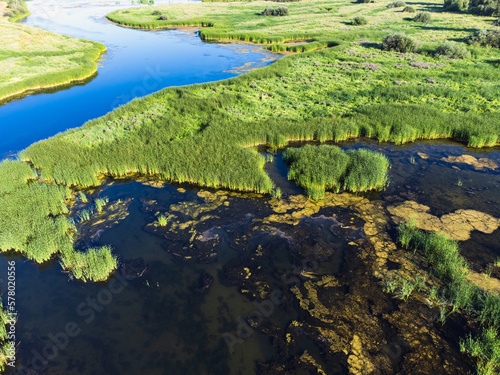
[{"x": 335, "y": 212}]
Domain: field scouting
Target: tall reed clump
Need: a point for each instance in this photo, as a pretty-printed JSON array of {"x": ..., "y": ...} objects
[
  {"x": 33, "y": 220},
  {"x": 448, "y": 265},
  {"x": 95, "y": 264},
  {"x": 367, "y": 170},
  {"x": 100, "y": 203},
  {"x": 318, "y": 168}
]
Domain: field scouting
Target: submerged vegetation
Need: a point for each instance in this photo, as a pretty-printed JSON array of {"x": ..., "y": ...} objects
[
  {"x": 465, "y": 297},
  {"x": 33, "y": 59},
  {"x": 329, "y": 167}
]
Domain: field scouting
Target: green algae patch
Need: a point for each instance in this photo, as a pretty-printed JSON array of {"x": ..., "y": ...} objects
[{"x": 458, "y": 224}]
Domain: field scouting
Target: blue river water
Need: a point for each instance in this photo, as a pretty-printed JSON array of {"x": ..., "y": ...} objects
[{"x": 137, "y": 63}]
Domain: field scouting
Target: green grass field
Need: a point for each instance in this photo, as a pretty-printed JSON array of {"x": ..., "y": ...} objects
[{"x": 32, "y": 59}]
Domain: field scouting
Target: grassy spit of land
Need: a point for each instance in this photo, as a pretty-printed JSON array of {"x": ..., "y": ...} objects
[{"x": 33, "y": 59}]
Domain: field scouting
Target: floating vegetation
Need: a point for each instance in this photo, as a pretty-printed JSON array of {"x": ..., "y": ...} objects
[
  {"x": 328, "y": 167},
  {"x": 100, "y": 203}
]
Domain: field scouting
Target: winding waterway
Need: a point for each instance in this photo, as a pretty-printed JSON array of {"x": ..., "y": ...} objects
[
  {"x": 176, "y": 304},
  {"x": 137, "y": 62}
]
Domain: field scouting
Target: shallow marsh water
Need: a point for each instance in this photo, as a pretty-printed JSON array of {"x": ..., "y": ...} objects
[{"x": 161, "y": 323}]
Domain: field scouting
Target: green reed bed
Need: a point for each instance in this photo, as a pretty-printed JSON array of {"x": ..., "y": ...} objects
[
  {"x": 448, "y": 265},
  {"x": 33, "y": 217},
  {"x": 320, "y": 168}
]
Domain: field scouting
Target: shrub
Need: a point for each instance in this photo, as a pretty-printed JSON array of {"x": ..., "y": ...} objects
[
  {"x": 267, "y": 12},
  {"x": 365, "y": 1},
  {"x": 422, "y": 17},
  {"x": 485, "y": 38},
  {"x": 484, "y": 7},
  {"x": 398, "y": 42},
  {"x": 163, "y": 17},
  {"x": 496, "y": 22},
  {"x": 409, "y": 9},
  {"x": 396, "y": 4},
  {"x": 279, "y": 11},
  {"x": 359, "y": 20},
  {"x": 452, "y": 50},
  {"x": 8, "y": 13},
  {"x": 456, "y": 5},
  {"x": 156, "y": 12}
]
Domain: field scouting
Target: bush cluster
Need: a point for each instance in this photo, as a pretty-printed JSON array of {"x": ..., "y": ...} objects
[
  {"x": 8, "y": 13},
  {"x": 359, "y": 20},
  {"x": 396, "y": 4},
  {"x": 409, "y": 9},
  {"x": 156, "y": 12},
  {"x": 163, "y": 17},
  {"x": 398, "y": 42},
  {"x": 456, "y": 5},
  {"x": 16, "y": 7},
  {"x": 452, "y": 50},
  {"x": 422, "y": 17},
  {"x": 485, "y": 38},
  {"x": 279, "y": 11},
  {"x": 365, "y": 1}
]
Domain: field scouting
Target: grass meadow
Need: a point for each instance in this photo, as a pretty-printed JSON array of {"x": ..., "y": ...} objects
[
  {"x": 317, "y": 168},
  {"x": 32, "y": 59}
]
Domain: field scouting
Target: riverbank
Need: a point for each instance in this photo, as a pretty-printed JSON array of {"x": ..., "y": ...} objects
[
  {"x": 320, "y": 23},
  {"x": 34, "y": 59}
]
